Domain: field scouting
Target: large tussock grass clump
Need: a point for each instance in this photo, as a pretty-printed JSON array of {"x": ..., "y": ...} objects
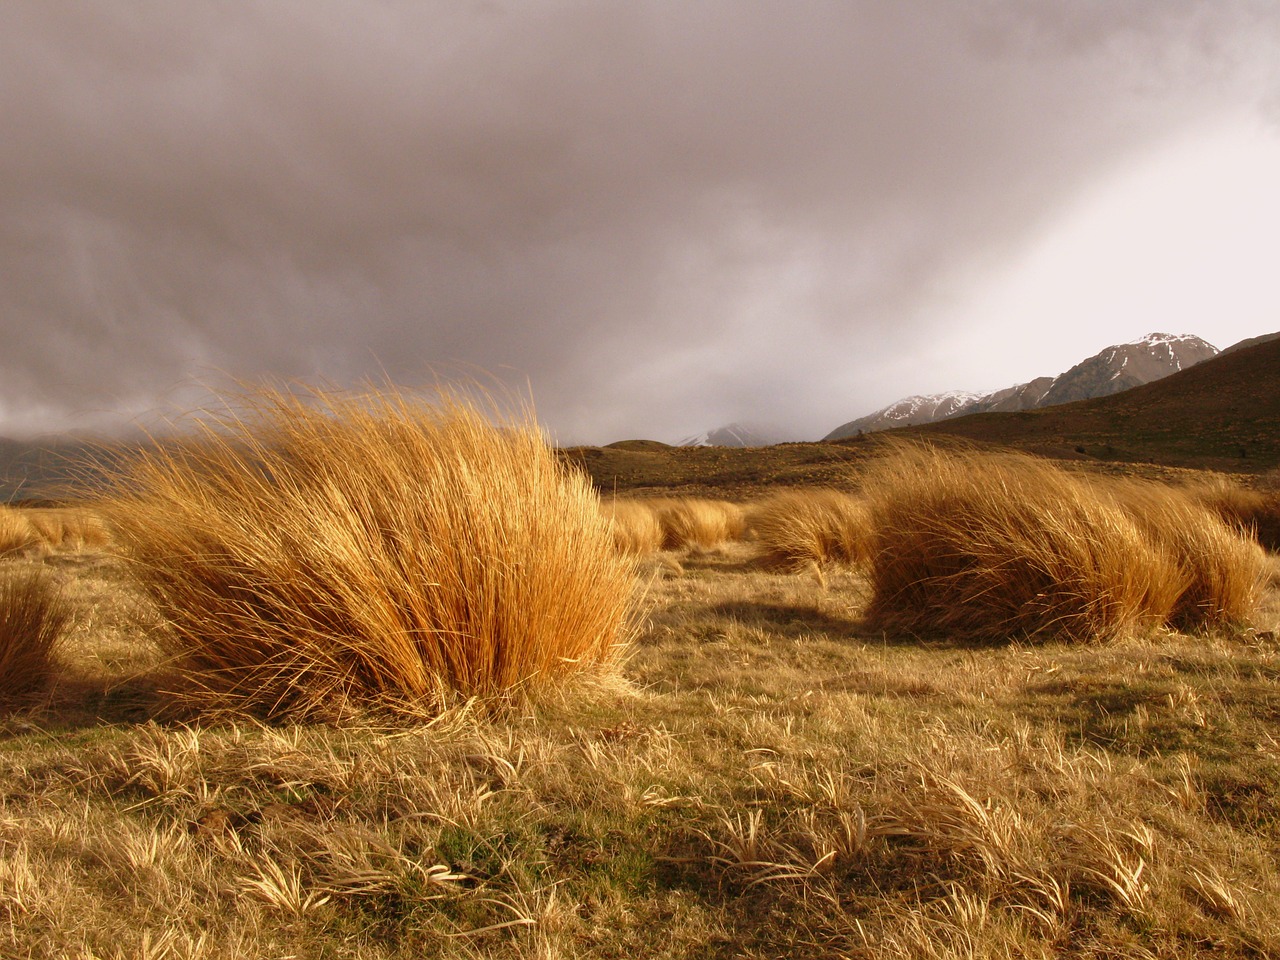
[
  {"x": 17, "y": 536},
  {"x": 33, "y": 619},
  {"x": 1224, "y": 571},
  {"x": 331, "y": 551},
  {"x": 1255, "y": 511},
  {"x": 634, "y": 525},
  {"x": 698, "y": 523},
  {"x": 798, "y": 528},
  {"x": 997, "y": 546}
]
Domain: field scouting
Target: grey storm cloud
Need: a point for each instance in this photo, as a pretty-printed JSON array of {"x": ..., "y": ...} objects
[{"x": 659, "y": 215}]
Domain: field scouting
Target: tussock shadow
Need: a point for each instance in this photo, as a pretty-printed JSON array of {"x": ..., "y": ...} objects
[
  {"x": 718, "y": 561},
  {"x": 78, "y": 702},
  {"x": 798, "y": 621},
  {"x": 791, "y": 620}
]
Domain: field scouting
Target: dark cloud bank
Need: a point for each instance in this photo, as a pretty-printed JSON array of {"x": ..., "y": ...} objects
[{"x": 663, "y": 216}]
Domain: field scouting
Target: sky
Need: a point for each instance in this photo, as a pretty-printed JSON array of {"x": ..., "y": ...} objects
[{"x": 656, "y": 218}]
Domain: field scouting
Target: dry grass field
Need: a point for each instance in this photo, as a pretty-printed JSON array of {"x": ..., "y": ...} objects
[{"x": 784, "y": 764}]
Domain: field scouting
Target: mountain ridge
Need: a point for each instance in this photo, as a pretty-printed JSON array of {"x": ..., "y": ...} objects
[
  {"x": 1222, "y": 413},
  {"x": 1113, "y": 369}
]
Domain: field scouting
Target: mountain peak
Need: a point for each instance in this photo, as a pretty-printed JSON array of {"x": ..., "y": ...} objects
[
  {"x": 733, "y": 435},
  {"x": 1151, "y": 339},
  {"x": 1111, "y": 370}
]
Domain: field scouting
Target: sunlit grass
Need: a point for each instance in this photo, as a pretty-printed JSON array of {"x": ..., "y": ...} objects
[
  {"x": 319, "y": 553},
  {"x": 796, "y": 528},
  {"x": 33, "y": 621},
  {"x": 696, "y": 522},
  {"x": 634, "y": 525},
  {"x": 999, "y": 546},
  {"x": 776, "y": 777},
  {"x": 17, "y": 535}
]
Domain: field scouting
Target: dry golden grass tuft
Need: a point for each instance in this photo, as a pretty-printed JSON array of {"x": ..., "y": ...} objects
[
  {"x": 33, "y": 621},
  {"x": 1256, "y": 511},
  {"x": 324, "y": 552},
  {"x": 1224, "y": 571},
  {"x": 69, "y": 528},
  {"x": 991, "y": 546},
  {"x": 17, "y": 535},
  {"x": 635, "y": 527},
  {"x": 798, "y": 528},
  {"x": 694, "y": 522}
]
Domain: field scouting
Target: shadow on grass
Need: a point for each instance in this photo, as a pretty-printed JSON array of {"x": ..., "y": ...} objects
[
  {"x": 795, "y": 621},
  {"x": 789, "y": 620},
  {"x": 77, "y": 701}
]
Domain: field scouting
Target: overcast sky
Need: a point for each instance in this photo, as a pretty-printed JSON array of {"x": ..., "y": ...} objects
[{"x": 662, "y": 217}]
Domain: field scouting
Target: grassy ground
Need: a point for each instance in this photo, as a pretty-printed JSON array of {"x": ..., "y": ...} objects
[
  {"x": 745, "y": 474},
  {"x": 771, "y": 780}
]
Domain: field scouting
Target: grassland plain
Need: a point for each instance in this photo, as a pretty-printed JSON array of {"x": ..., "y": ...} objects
[{"x": 773, "y": 780}]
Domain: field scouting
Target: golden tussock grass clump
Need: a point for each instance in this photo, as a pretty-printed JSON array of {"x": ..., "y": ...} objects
[
  {"x": 33, "y": 620},
  {"x": 70, "y": 528},
  {"x": 694, "y": 522},
  {"x": 1256, "y": 511},
  {"x": 998, "y": 546},
  {"x": 798, "y": 528},
  {"x": 329, "y": 551},
  {"x": 17, "y": 535},
  {"x": 1224, "y": 571},
  {"x": 635, "y": 527}
]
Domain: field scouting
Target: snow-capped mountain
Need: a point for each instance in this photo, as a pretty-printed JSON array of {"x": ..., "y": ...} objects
[
  {"x": 910, "y": 411},
  {"x": 733, "y": 435},
  {"x": 1112, "y": 370}
]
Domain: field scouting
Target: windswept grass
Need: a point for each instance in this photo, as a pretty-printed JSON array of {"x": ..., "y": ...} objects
[
  {"x": 16, "y": 533},
  {"x": 774, "y": 781},
  {"x": 635, "y": 527},
  {"x": 693, "y": 522},
  {"x": 69, "y": 528},
  {"x": 641, "y": 527},
  {"x": 319, "y": 553},
  {"x": 1255, "y": 511},
  {"x": 798, "y": 528},
  {"x": 1006, "y": 546},
  {"x": 1222, "y": 569},
  {"x": 33, "y": 619}
]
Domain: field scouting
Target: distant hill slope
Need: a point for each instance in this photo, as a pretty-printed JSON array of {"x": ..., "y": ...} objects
[
  {"x": 55, "y": 468},
  {"x": 1222, "y": 413},
  {"x": 36, "y": 469},
  {"x": 1111, "y": 370},
  {"x": 1252, "y": 342}
]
